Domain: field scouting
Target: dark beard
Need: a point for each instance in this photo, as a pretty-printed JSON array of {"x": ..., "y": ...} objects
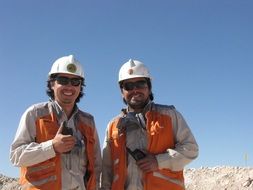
[{"x": 139, "y": 105}]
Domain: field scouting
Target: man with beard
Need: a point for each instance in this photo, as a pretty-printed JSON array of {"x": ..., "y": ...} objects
[
  {"x": 56, "y": 144},
  {"x": 147, "y": 145}
]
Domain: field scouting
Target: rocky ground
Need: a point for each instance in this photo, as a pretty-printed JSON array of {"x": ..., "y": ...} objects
[
  {"x": 7, "y": 183},
  {"x": 219, "y": 178},
  {"x": 205, "y": 178}
]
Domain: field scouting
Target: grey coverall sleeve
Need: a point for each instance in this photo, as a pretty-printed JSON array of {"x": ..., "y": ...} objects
[
  {"x": 24, "y": 150},
  {"x": 186, "y": 148}
]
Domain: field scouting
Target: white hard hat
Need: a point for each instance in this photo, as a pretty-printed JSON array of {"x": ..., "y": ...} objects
[
  {"x": 68, "y": 65},
  {"x": 133, "y": 69}
]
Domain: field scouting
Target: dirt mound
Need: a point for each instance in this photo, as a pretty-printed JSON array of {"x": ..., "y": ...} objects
[
  {"x": 219, "y": 178},
  {"x": 8, "y": 183},
  {"x": 204, "y": 178}
]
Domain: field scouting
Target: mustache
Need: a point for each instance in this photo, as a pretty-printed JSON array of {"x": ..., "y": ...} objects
[{"x": 135, "y": 93}]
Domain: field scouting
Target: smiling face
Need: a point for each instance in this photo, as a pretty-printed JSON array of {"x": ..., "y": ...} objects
[
  {"x": 64, "y": 92},
  {"x": 137, "y": 96}
]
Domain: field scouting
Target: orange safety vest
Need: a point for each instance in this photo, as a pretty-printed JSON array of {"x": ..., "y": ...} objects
[
  {"x": 47, "y": 175},
  {"x": 160, "y": 138}
]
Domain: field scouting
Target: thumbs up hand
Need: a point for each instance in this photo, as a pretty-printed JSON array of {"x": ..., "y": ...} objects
[{"x": 63, "y": 142}]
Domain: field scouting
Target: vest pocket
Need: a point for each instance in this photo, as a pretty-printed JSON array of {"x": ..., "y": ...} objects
[
  {"x": 46, "y": 183},
  {"x": 41, "y": 172},
  {"x": 158, "y": 180}
]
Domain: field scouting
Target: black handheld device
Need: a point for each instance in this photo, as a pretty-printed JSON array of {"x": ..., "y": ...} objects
[
  {"x": 66, "y": 130},
  {"x": 137, "y": 154}
]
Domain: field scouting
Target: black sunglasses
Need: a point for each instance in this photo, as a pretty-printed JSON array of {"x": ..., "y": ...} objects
[
  {"x": 66, "y": 80},
  {"x": 141, "y": 84}
]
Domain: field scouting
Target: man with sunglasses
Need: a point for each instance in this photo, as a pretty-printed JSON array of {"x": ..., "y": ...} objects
[
  {"x": 56, "y": 145},
  {"x": 147, "y": 145}
]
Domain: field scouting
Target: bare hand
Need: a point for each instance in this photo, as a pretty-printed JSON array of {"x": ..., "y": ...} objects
[
  {"x": 148, "y": 163},
  {"x": 63, "y": 143}
]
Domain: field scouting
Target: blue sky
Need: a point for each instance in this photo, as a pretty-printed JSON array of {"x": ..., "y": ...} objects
[{"x": 200, "y": 54}]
